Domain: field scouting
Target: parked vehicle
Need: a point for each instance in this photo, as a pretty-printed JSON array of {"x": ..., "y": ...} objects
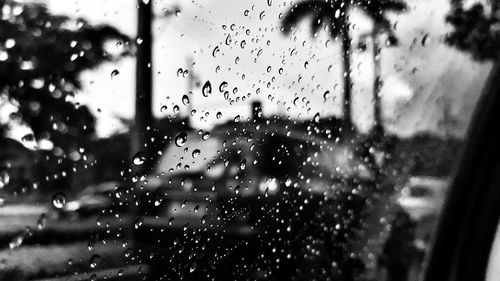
[
  {"x": 208, "y": 190},
  {"x": 101, "y": 199}
]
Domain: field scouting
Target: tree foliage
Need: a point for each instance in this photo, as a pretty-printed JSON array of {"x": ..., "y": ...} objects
[
  {"x": 327, "y": 14},
  {"x": 475, "y": 30},
  {"x": 41, "y": 59}
]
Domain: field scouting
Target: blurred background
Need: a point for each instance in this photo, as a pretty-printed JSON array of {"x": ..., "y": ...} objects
[{"x": 223, "y": 140}]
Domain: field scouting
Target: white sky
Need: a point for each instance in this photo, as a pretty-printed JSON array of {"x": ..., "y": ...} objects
[{"x": 417, "y": 78}]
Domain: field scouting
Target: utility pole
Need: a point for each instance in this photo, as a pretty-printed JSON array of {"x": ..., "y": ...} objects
[{"x": 144, "y": 82}]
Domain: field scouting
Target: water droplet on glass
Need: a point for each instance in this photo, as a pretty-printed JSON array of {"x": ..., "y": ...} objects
[
  {"x": 425, "y": 40},
  {"x": 262, "y": 14},
  {"x": 316, "y": 117},
  {"x": 243, "y": 164},
  {"x": 181, "y": 139},
  {"x": 326, "y": 95},
  {"x": 196, "y": 153},
  {"x": 17, "y": 241},
  {"x": 192, "y": 268},
  {"x": 138, "y": 223},
  {"x": 207, "y": 89},
  {"x": 59, "y": 200},
  {"x": 4, "y": 179},
  {"x": 114, "y": 73},
  {"x": 185, "y": 100},
  {"x": 218, "y": 115},
  {"x": 94, "y": 260},
  {"x": 228, "y": 39},
  {"x": 205, "y": 136},
  {"x": 215, "y": 51},
  {"x": 222, "y": 86},
  {"x": 139, "y": 158},
  {"x": 42, "y": 221},
  {"x": 237, "y": 118}
]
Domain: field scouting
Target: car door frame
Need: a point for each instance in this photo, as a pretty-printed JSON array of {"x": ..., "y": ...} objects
[{"x": 466, "y": 229}]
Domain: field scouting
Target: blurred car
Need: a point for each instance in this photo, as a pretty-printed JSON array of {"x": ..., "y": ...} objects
[
  {"x": 248, "y": 191},
  {"x": 97, "y": 199},
  {"x": 422, "y": 196}
]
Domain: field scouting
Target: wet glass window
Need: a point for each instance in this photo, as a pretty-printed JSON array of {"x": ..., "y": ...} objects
[{"x": 232, "y": 140}]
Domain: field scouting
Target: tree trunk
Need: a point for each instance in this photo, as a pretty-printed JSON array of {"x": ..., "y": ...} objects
[
  {"x": 143, "y": 101},
  {"x": 346, "y": 60},
  {"x": 378, "y": 127}
]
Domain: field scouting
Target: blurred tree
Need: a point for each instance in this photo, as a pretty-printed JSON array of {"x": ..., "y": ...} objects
[
  {"x": 476, "y": 29},
  {"x": 41, "y": 58},
  {"x": 334, "y": 15},
  {"x": 381, "y": 25}
]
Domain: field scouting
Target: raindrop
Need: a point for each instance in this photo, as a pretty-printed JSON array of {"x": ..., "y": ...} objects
[
  {"x": 192, "y": 268},
  {"x": 326, "y": 95},
  {"x": 207, "y": 89},
  {"x": 139, "y": 158},
  {"x": 269, "y": 2},
  {"x": 42, "y": 221},
  {"x": 218, "y": 115},
  {"x": 171, "y": 220},
  {"x": 4, "y": 179},
  {"x": 262, "y": 14},
  {"x": 425, "y": 40},
  {"x": 205, "y": 136},
  {"x": 16, "y": 242},
  {"x": 237, "y": 118},
  {"x": 215, "y": 51},
  {"x": 59, "y": 200},
  {"x": 114, "y": 73},
  {"x": 222, "y": 86},
  {"x": 196, "y": 153},
  {"x": 185, "y": 100},
  {"x": 163, "y": 108},
  {"x": 175, "y": 109},
  {"x": 138, "y": 223},
  {"x": 228, "y": 39},
  {"x": 181, "y": 139},
  {"x": 243, "y": 164},
  {"x": 94, "y": 260},
  {"x": 316, "y": 117}
]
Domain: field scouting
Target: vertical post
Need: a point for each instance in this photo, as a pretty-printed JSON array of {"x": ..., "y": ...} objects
[
  {"x": 346, "y": 60},
  {"x": 144, "y": 89},
  {"x": 377, "y": 110}
]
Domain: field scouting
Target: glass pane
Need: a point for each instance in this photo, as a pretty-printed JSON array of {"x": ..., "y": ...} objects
[{"x": 232, "y": 140}]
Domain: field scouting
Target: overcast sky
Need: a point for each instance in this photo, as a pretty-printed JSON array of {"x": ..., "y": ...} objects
[{"x": 418, "y": 75}]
